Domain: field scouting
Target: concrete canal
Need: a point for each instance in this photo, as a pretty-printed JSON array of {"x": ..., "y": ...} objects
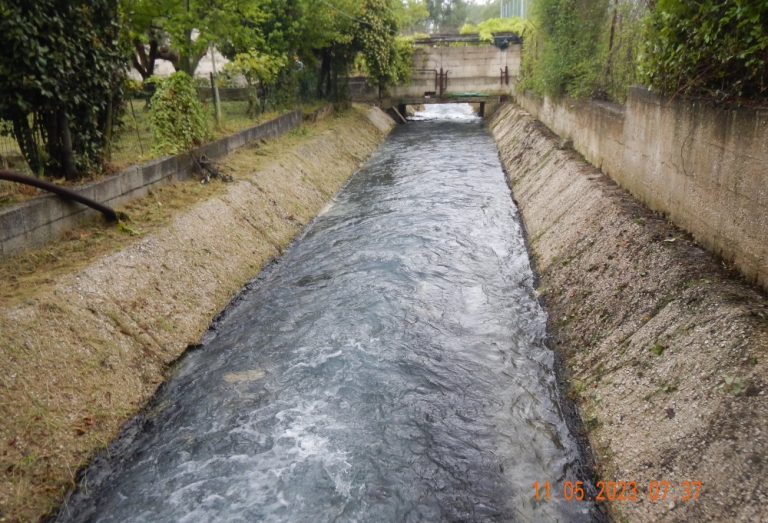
[{"x": 390, "y": 367}]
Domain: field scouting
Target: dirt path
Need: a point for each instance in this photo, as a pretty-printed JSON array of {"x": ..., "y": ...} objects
[
  {"x": 85, "y": 345},
  {"x": 665, "y": 349}
]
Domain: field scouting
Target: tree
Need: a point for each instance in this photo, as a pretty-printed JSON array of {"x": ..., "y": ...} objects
[
  {"x": 329, "y": 36},
  {"x": 61, "y": 77},
  {"x": 565, "y": 54},
  {"x": 412, "y": 15},
  {"x": 181, "y": 31},
  {"x": 447, "y": 15},
  {"x": 259, "y": 69},
  {"x": 143, "y": 21},
  {"x": 376, "y": 36}
]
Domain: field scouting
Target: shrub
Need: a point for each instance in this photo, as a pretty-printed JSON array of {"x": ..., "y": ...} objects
[
  {"x": 717, "y": 49},
  {"x": 486, "y": 28},
  {"x": 176, "y": 116}
]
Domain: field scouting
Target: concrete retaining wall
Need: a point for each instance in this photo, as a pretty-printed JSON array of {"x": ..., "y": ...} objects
[
  {"x": 706, "y": 168},
  {"x": 470, "y": 69},
  {"x": 43, "y": 219}
]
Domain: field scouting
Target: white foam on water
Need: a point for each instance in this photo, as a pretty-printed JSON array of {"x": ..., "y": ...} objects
[
  {"x": 318, "y": 360},
  {"x": 455, "y": 111}
]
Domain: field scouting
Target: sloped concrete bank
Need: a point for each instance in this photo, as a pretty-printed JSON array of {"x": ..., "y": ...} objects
[
  {"x": 665, "y": 351},
  {"x": 87, "y": 350}
]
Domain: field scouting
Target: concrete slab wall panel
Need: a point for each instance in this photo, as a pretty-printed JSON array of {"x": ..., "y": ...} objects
[{"x": 704, "y": 167}]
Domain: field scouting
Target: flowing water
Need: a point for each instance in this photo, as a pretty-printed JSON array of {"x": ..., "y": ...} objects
[{"x": 390, "y": 368}]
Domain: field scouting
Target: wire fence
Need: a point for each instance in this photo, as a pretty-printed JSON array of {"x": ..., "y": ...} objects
[
  {"x": 133, "y": 140},
  {"x": 10, "y": 157}
]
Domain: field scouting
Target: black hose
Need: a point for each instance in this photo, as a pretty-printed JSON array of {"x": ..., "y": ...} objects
[{"x": 69, "y": 194}]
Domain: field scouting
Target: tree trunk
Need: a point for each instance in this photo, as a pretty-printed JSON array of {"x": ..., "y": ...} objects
[
  {"x": 325, "y": 72},
  {"x": 109, "y": 127},
  {"x": 26, "y": 141},
  {"x": 67, "y": 154},
  {"x": 52, "y": 145},
  {"x": 142, "y": 61}
]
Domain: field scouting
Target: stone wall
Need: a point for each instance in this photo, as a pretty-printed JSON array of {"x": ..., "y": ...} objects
[
  {"x": 43, "y": 219},
  {"x": 705, "y": 168}
]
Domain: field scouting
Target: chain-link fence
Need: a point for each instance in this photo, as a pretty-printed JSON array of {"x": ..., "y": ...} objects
[
  {"x": 133, "y": 137},
  {"x": 132, "y": 142},
  {"x": 10, "y": 157}
]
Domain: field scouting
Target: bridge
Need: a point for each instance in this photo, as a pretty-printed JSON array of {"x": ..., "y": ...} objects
[{"x": 445, "y": 71}]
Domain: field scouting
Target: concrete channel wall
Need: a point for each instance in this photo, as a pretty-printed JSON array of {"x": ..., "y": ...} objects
[
  {"x": 470, "y": 69},
  {"x": 43, "y": 219},
  {"x": 483, "y": 69},
  {"x": 705, "y": 168},
  {"x": 649, "y": 328}
]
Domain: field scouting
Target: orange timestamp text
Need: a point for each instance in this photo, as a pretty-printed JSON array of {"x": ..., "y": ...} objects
[{"x": 621, "y": 491}]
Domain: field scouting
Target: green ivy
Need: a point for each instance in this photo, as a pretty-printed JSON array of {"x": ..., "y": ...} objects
[
  {"x": 584, "y": 48},
  {"x": 383, "y": 59},
  {"x": 563, "y": 55},
  {"x": 486, "y": 28},
  {"x": 176, "y": 116},
  {"x": 62, "y": 71},
  {"x": 708, "y": 48}
]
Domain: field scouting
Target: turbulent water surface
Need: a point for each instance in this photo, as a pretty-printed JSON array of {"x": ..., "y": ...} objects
[{"x": 390, "y": 368}]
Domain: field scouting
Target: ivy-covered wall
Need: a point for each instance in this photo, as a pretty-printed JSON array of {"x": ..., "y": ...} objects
[{"x": 599, "y": 48}]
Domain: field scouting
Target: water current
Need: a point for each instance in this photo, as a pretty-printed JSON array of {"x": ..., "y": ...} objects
[{"x": 390, "y": 367}]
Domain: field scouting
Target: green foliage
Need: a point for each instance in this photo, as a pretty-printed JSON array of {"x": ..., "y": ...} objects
[
  {"x": 176, "y": 116},
  {"x": 404, "y": 49},
  {"x": 447, "y": 15},
  {"x": 401, "y": 67},
  {"x": 621, "y": 43},
  {"x": 259, "y": 69},
  {"x": 563, "y": 55},
  {"x": 61, "y": 76},
  {"x": 256, "y": 66},
  {"x": 376, "y": 39},
  {"x": 717, "y": 49},
  {"x": 412, "y": 15},
  {"x": 732, "y": 384},
  {"x": 486, "y": 28},
  {"x": 583, "y": 48},
  {"x": 182, "y": 32}
]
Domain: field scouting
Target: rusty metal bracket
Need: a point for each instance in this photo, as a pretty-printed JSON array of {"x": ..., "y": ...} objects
[{"x": 68, "y": 194}]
